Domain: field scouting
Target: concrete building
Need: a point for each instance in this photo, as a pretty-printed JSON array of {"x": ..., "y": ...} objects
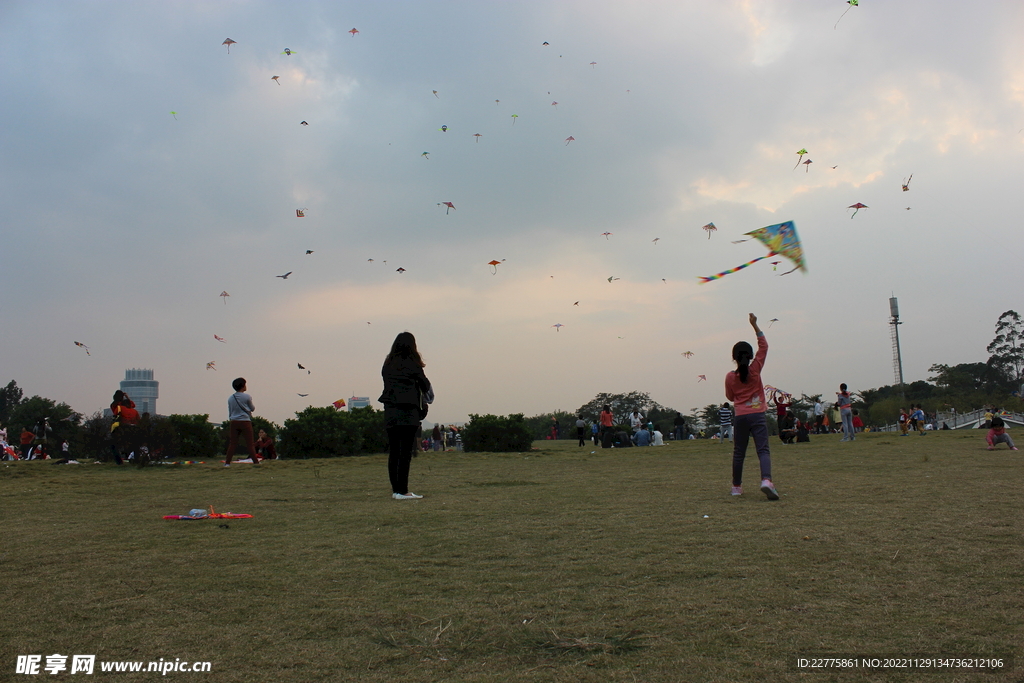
[
  {"x": 141, "y": 388},
  {"x": 358, "y": 402}
]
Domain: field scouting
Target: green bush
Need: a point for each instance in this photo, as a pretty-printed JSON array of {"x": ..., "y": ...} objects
[
  {"x": 496, "y": 434},
  {"x": 371, "y": 427},
  {"x": 196, "y": 437},
  {"x": 321, "y": 433}
]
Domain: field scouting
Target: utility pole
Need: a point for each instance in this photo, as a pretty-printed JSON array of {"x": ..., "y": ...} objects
[{"x": 897, "y": 358}]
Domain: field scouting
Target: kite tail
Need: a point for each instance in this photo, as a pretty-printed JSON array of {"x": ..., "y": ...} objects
[{"x": 732, "y": 270}]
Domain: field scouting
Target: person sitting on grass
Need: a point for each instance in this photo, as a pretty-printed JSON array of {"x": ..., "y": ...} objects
[
  {"x": 787, "y": 429},
  {"x": 997, "y": 434},
  {"x": 802, "y": 432}
]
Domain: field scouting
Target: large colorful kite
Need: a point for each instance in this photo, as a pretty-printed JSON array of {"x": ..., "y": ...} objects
[{"x": 781, "y": 239}]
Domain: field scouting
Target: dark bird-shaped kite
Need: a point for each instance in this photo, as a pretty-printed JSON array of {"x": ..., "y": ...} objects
[{"x": 285, "y": 276}]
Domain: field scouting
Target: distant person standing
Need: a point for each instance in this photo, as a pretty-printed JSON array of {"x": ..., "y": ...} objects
[
  {"x": 819, "y": 417},
  {"x": 240, "y": 410},
  {"x": 407, "y": 392},
  {"x": 903, "y": 421},
  {"x": 918, "y": 419},
  {"x": 435, "y": 438},
  {"x": 744, "y": 388},
  {"x": 607, "y": 420},
  {"x": 679, "y": 427},
  {"x": 845, "y": 404},
  {"x": 725, "y": 421},
  {"x": 27, "y": 437},
  {"x": 636, "y": 420},
  {"x": 581, "y": 429}
]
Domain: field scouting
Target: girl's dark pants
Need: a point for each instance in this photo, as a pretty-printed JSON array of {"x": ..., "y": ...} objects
[
  {"x": 401, "y": 441},
  {"x": 745, "y": 426}
]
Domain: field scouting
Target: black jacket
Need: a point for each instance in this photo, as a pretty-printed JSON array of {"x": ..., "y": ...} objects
[{"x": 404, "y": 384}]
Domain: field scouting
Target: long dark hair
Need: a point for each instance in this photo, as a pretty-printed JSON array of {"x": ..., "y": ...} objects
[
  {"x": 742, "y": 353},
  {"x": 404, "y": 347}
]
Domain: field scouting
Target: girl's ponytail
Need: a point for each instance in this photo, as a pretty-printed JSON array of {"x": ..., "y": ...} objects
[{"x": 742, "y": 353}]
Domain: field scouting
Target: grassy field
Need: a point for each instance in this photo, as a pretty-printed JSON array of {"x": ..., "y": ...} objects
[{"x": 562, "y": 564}]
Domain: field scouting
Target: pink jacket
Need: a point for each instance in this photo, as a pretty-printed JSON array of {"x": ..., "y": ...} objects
[
  {"x": 993, "y": 433},
  {"x": 748, "y": 397}
]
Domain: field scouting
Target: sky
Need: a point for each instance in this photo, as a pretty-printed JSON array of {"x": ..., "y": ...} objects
[{"x": 121, "y": 223}]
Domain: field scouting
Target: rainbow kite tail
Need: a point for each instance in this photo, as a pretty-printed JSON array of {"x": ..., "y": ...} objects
[{"x": 732, "y": 270}]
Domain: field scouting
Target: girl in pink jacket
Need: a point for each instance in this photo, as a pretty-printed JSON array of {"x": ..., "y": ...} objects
[{"x": 744, "y": 388}]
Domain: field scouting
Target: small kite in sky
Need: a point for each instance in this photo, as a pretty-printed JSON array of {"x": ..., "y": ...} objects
[
  {"x": 449, "y": 205},
  {"x": 688, "y": 354},
  {"x": 288, "y": 51},
  {"x": 425, "y": 155},
  {"x": 514, "y": 117},
  {"x": 285, "y": 276},
  {"x": 175, "y": 115},
  {"x": 906, "y": 183},
  {"x": 781, "y": 239},
  {"x": 300, "y": 213},
  {"x": 303, "y": 395},
  {"x": 775, "y": 264},
  {"x": 400, "y": 270},
  {"x": 807, "y": 165},
  {"x": 555, "y": 105},
  {"x": 303, "y": 123},
  {"x": 353, "y": 31},
  {"x": 308, "y": 252},
  {"x": 224, "y": 295},
  {"x": 339, "y": 404},
  {"x": 275, "y": 79},
  {"x": 302, "y": 367},
  {"x": 710, "y": 227},
  {"x": 593, "y": 64},
  {"x": 613, "y": 278},
  {"x": 220, "y": 339},
  {"x": 606, "y": 234},
  {"x": 557, "y": 327},
  {"x": 229, "y": 43},
  {"x": 772, "y": 322},
  {"x": 852, "y": 4},
  {"x": 701, "y": 378},
  {"x": 576, "y": 304},
  {"x": 83, "y": 346},
  {"x": 802, "y": 152},
  {"x": 443, "y": 129},
  {"x": 568, "y": 140},
  {"x": 435, "y": 94},
  {"x": 369, "y": 260},
  {"x": 857, "y": 207},
  {"x": 545, "y": 43},
  {"x": 494, "y": 266},
  {"x": 477, "y": 136},
  {"x": 212, "y": 365},
  {"x": 655, "y": 240}
]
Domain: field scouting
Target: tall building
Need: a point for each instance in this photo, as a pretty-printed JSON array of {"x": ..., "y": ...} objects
[
  {"x": 141, "y": 388},
  {"x": 358, "y": 402}
]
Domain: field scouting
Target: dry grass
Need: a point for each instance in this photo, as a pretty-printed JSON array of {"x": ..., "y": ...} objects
[{"x": 555, "y": 565}]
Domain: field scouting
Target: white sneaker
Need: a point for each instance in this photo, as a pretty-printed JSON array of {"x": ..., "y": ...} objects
[
  {"x": 405, "y": 496},
  {"x": 768, "y": 488},
  {"x": 737, "y": 490}
]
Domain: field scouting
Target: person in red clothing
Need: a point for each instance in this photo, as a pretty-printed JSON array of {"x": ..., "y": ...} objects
[
  {"x": 265, "y": 447},
  {"x": 27, "y": 437},
  {"x": 607, "y": 421},
  {"x": 118, "y": 406},
  {"x": 744, "y": 388}
]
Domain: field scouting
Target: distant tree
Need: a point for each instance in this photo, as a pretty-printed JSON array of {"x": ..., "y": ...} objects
[
  {"x": 540, "y": 425},
  {"x": 709, "y": 417},
  {"x": 197, "y": 437},
  {"x": 61, "y": 422},
  {"x": 967, "y": 378},
  {"x": 95, "y": 437},
  {"x": 10, "y": 398},
  {"x": 1007, "y": 348},
  {"x": 321, "y": 433},
  {"x": 370, "y": 423},
  {"x": 622, "y": 405},
  {"x": 496, "y": 434}
]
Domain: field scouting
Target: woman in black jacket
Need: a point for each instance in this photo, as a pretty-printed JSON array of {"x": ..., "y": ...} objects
[{"x": 405, "y": 404}]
